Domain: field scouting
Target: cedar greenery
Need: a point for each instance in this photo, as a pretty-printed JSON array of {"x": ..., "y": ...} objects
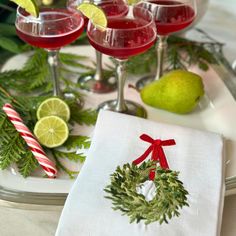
[
  {"x": 181, "y": 53},
  {"x": 170, "y": 194},
  {"x": 33, "y": 79},
  {"x": 13, "y": 147}
]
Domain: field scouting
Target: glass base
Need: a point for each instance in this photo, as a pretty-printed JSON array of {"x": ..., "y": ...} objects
[
  {"x": 103, "y": 86},
  {"x": 144, "y": 81},
  {"x": 70, "y": 96},
  {"x": 133, "y": 108}
]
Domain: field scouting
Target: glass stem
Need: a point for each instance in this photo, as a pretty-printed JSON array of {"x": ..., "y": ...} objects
[
  {"x": 161, "y": 47},
  {"x": 53, "y": 62},
  {"x": 98, "y": 73},
  {"x": 121, "y": 77}
]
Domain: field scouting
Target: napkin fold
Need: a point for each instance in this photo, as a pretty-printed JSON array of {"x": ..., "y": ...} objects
[{"x": 198, "y": 155}]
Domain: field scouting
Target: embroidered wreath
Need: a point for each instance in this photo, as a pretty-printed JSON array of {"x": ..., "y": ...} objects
[{"x": 169, "y": 195}]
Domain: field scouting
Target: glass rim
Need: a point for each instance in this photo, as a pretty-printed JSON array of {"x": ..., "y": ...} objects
[
  {"x": 175, "y": 3},
  {"x": 38, "y": 20},
  {"x": 122, "y": 17}
]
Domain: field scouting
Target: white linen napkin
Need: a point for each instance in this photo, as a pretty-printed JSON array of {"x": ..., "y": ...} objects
[{"x": 198, "y": 155}]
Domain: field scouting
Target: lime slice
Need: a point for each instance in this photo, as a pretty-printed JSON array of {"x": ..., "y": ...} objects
[
  {"x": 132, "y": 2},
  {"x": 51, "y": 131},
  {"x": 54, "y": 107},
  {"x": 30, "y": 6},
  {"x": 94, "y": 13}
]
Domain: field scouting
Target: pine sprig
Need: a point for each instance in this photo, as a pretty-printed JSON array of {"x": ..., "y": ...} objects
[
  {"x": 12, "y": 146},
  {"x": 70, "y": 59},
  {"x": 77, "y": 142},
  {"x": 60, "y": 166},
  {"x": 170, "y": 193},
  {"x": 72, "y": 156},
  {"x": 85, "y": 116},
  {"x": 32, "y": 76},
  {"x": 181, "y": 53},
  {"x": 27, "y": 164}
]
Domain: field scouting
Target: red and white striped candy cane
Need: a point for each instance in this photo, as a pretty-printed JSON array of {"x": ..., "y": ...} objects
[{"x": 31, "y": 141}]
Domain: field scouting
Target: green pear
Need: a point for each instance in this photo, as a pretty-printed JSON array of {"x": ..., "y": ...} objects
[{"x": 178, "y": 91}]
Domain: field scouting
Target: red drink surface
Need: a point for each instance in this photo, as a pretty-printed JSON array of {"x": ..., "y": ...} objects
[
  {"x": 123, "y": 43},
  {"x": 116, "y": 9},
  {"x": 58, "y": 30},
  {"x": 171, "y": 18}
]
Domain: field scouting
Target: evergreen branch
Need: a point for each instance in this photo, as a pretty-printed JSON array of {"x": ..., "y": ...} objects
[
  {"x": 27, "y": 164},
  {"x": 86, "y": 117},
  {"x": 33, "y": 78},
  {"x": 72, "y": 156},
  {"x": 12, "y": 149},
  {"x": 60, "y": 166},
  {"x": 77, "y": 142}
]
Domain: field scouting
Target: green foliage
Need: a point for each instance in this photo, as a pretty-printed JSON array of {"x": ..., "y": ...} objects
[
  {"x": 77, "y": 141},
  {"x": 86, "y": 116},
  {"x": 13, "y": 148},
  {"x": 27, "y": 164},
  {"x": 33, "y": 79},
  {"x": 170, "y": 193},
  {"x": 181, "y": 53}
]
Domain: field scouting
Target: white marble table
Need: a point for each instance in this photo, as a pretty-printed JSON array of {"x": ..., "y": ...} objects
[{"x": 218, "y": 22}]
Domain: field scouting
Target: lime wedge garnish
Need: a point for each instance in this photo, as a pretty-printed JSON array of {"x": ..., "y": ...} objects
[
  {"x": 132, "y": 2},
  {"x": 54, "y": 107},
  {"x": 30, "y": 6},
  {"x": 51, "y": 131},
  {"x": 94, "y": 13}
]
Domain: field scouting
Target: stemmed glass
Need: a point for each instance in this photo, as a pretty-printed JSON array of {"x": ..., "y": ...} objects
[
  {"x": 170, "y": 16},
  {"x": 96, "y": 83},
  {"x": 53, "y": 29},
  {"x": 124, "y": 37}
]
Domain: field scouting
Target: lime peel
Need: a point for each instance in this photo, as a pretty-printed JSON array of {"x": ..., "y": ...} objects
[
  {"x": 132, "y": 2},
  {"x": 30, "y": 6},
  {"x": 94, "y": 13}
]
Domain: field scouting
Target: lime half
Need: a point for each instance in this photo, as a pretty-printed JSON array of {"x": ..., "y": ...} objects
[
  {"x": 54, "y": 107},
  {"x": 30, "y": 6},
  {"x": 51, "y": 131},
  {"x": 94, "y": 13}
]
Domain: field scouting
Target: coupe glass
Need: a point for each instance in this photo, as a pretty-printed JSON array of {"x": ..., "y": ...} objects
[
  {"x": 170, "y": 16},
  {"x": 53, "y": 29},
  {"x": 124, "y": 37},
  {"x": 96, "y": 83}
]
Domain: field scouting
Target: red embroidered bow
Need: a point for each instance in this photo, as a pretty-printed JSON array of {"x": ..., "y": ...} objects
[{"x": 157, "y": 153}]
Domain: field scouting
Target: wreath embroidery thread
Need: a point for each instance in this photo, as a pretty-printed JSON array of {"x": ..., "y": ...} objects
[{"x": 170, "y": 195}]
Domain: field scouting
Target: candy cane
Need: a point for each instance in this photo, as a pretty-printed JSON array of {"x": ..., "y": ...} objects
[{"x": 31, "y": 141}]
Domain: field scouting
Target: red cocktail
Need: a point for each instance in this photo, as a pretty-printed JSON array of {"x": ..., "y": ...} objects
[
  {"x": 131, "y": 42},
  {"x": 170, "y": 16},
  {"x": 115, "y": 8},
  {"x": 125, "y": 36},
  {"x": 96, "y": 82},
  {"x": 49, "y": 35},
  {"x": 53, "y": 29}
]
